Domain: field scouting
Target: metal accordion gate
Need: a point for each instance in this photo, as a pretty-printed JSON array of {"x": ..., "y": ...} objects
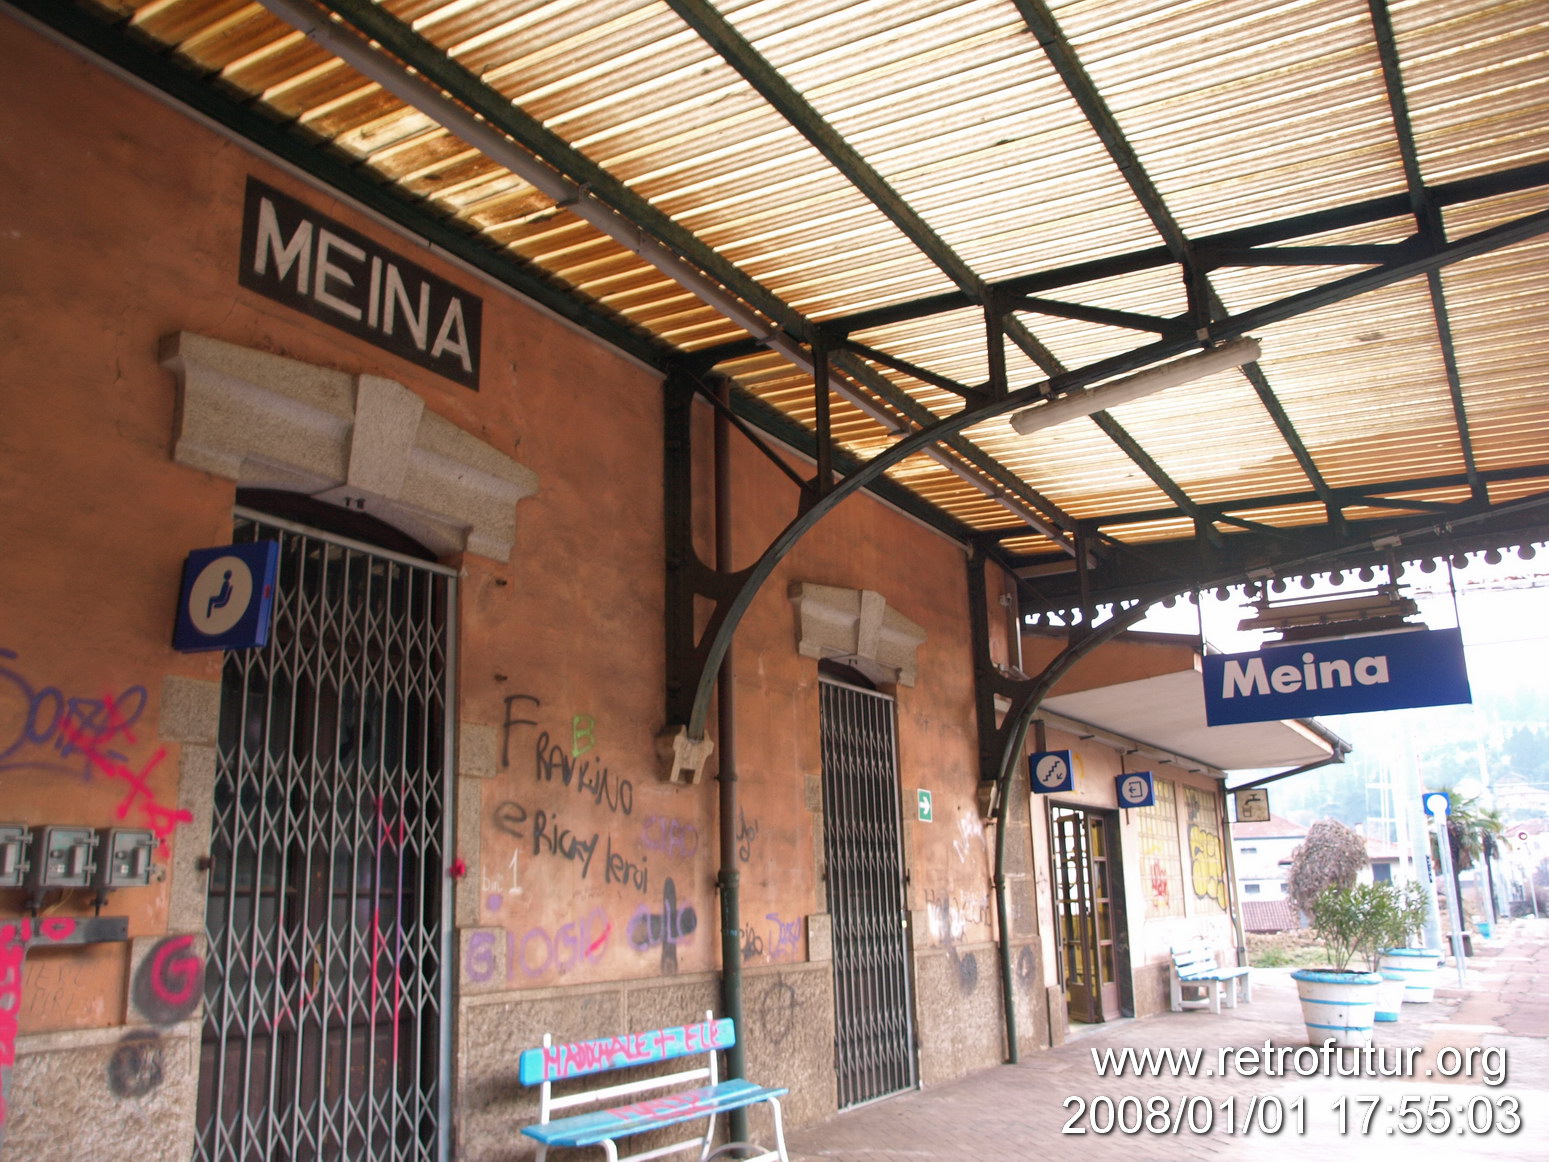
[
  {"x": 327, "y": 988},
  {"x": 874, "y": 1051}
]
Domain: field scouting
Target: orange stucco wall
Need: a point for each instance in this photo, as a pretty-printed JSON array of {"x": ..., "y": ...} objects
[
  {"x": 121, "y": 226},
  {"x": 120, "y": 223}
]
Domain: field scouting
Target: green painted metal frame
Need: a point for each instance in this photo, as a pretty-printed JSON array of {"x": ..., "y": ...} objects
[{"x": 693, "y": 661}]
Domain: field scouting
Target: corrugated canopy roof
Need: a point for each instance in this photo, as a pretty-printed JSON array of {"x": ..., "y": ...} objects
[{"x": 963, "y": 209}]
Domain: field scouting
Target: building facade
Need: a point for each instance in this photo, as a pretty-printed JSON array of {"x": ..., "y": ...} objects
[{"x": 426, "y": 821}]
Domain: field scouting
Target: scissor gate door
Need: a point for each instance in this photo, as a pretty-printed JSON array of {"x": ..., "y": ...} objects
[
  {"x": 874, "y": 1039},
  {"x": 326, "y": 994}
]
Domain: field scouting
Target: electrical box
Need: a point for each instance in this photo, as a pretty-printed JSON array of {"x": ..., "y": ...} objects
[
  {"x": 15, "y": 838},
  {"x": 125, "y": 859},
  {"x": 63, "y": 857}
]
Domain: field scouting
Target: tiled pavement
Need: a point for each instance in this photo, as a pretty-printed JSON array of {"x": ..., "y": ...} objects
[{"x": 1016, "y": 1113}]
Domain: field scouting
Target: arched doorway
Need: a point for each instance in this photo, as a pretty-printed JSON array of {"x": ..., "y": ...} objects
[
  {"x": 874, "y": 1053},
  {"x": 328, "y": 904}
]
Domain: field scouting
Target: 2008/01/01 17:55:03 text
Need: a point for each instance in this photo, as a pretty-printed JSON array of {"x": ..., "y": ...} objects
[{"x": 1272, "y": 1115}]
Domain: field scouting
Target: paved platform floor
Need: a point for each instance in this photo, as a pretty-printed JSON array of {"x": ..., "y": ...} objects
[{"x": 1498, "y": 1021}]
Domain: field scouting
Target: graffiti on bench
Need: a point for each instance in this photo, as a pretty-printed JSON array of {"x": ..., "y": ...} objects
[{"x": 555, "y": 1062}]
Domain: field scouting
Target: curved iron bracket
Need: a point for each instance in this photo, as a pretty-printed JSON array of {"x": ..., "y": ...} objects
[{"x": 1001, "y": 733}]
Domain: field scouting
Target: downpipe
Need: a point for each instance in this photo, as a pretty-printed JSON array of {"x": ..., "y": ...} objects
[{"x": 729, "y": 880}]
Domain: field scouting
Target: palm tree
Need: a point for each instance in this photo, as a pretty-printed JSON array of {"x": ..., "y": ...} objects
[{"x": 1472, "y": 830}]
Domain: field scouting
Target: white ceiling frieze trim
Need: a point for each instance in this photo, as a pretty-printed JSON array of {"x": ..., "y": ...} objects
[
  {"x": 855, "y": 626},
  {"x": 359, "y": 441}
]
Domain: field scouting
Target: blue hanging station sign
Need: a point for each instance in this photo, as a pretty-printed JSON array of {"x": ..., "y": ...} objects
[
  {"x": 1390, "y": 671},
  {"x": 1135, "y": 789},
  {"x": 1051, "y": 770},
  {"x": 227, "y": 597}
]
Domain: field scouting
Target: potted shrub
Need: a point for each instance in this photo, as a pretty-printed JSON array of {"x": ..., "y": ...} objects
[
  {"x": 1339, "y": 1003},
  {"x": 1393, "y": 916},
  {"x": 1406, "y": 958}
]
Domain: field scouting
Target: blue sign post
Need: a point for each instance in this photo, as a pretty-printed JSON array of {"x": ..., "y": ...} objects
[
  {"x": 1392, "y": 671},
  {"x": 226, "y": 597},
  {"x": 1051, "y": 770},
  {"x": 1135, "y": 789}
]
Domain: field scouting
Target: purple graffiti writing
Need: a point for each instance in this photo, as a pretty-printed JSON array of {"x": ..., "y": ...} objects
[
  {"x": 673, "y": 836},
  {"x": 78, "y": 736},
  {"x": 785, "y": 939},
  {"x": 48, "y": 721},
  {"x": 666, "y": 928},
  {"x": 538, "y": 952}
]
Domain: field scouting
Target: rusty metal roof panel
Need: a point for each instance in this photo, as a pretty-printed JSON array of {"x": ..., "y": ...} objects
[
  {"x": 1477, "y": 80},
  {"x": 1500, "y": 320},
  {"x": 1241, "y": 108},
  {"x": 1236, "y": 113}
]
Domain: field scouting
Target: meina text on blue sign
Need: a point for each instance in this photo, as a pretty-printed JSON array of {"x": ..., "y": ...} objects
[{"x": 1392, "y": 671}]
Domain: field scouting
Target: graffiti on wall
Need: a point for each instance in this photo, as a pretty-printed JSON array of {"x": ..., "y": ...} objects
[
  {"x": 951, "y": 913},
  {"x": 1161, "y": 887},
  {"x": 538, "y": 951},
  {"x": 554, "y": 762},
  {"x": 665, "y": 929},
  {"x": 783, "y": 943},
  {"x": 44, "y": 729},
  {"x": 544, "y": 834},
  {"x": 138, "y": 1065},
  {"x": 673, "y": 837},
  {"x": 15, "y": 937},
  {"x": 775, "y": 1009},
  {"x": 169, "y": 983},
  {"x": 746, "y": 834},
  {"x": 948, "y": 924},
  {"x": 1207, "y": 862}
]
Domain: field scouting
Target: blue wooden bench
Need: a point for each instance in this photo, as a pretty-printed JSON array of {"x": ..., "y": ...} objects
[
  {"x": 604, "y": 1123},
  {"x": 1195, "y": 970}
]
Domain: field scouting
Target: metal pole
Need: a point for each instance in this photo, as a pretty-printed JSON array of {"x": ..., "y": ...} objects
[
  {"x": 1453, "y": 904},
  {"x": 730, "y": 879}
]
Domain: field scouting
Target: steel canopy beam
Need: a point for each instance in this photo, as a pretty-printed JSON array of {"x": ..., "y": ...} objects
[
  {"x": 1360, "y": 495},
  {"x": 1430, "y": 223},
  {"x": 590, "y": 181},
  {"x": 695, "y": 696},
  {"x": 1203, "y": 299},
  {"x": 1243, "y": 238},
  {"x": 716, "y": 31}
]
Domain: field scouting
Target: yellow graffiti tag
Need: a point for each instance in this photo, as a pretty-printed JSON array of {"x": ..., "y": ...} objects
[{"x": 1209, "y": 868}]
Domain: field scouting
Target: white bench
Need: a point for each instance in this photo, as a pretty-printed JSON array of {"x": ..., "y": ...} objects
[
  {"x": 603, "y": 1123},
  {"x": 1195, "y": 970}
]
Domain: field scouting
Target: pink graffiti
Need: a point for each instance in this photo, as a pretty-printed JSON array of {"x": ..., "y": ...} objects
[
  {"x": 162, "y": 820},
  {"x": 582, "y": 1057},
  {"x": 175, "y": 975},
  {"x": 389, "y": 835},
  {"x": 14, "y": 938},
  {"x": 687, "y": 1104}
]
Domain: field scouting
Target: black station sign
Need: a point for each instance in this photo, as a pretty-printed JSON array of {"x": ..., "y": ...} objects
[{"x": 306, "y": 260}]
